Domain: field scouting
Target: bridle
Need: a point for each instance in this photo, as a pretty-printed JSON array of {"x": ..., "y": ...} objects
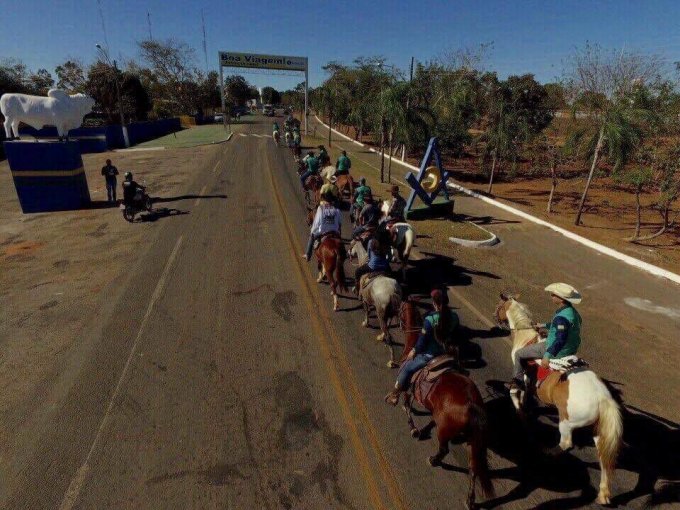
[
  {"x": 505, "y": 324},
  {"x": 401, "y": 322}
]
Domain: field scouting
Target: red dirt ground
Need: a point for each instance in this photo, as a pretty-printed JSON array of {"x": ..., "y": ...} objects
[{"x": 609, "y": 217}]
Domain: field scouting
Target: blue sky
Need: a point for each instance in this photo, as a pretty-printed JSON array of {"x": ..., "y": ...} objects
[{"x": 527, "y": 35}]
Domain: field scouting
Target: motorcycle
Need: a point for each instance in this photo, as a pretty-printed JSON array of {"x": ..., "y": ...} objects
[{"x": 142, "y": 202}]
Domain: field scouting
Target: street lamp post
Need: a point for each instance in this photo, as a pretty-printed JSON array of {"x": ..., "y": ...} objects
[{"x": 113, "y": 65}]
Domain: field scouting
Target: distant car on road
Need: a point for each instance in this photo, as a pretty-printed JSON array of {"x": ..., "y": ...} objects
[{"x": 219, "y": 118}]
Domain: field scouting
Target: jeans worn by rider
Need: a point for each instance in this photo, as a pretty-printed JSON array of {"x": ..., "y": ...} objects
[
  {"x": 564, "y": 339},
  {"x": 427, "y": 347},
  {"x": 312, "y": 168},
  {"x": 328, "y": 218}
]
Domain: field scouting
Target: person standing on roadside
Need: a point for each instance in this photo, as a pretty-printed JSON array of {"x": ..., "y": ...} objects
[{"x": 110, "y": 172}]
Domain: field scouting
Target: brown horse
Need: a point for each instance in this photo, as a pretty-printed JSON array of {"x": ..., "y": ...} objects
[
  {"x": 331, "y": 255},
  {"x": 345, "y": 183},
  {"x": 312, "y": 188},
  {"x": 457, "y": 411}
]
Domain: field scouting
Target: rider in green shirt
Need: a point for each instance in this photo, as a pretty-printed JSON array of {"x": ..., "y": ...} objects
[
  {"x": 564, "y": 335},
  {"x": 343, "y": 164},
  {"x": 359, "y": 194}
]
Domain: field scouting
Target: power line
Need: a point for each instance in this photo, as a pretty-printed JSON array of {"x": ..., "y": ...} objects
[{"x": 101, "y": 18}]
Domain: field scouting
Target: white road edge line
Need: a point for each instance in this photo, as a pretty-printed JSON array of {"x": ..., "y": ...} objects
[
  {"x": 242, "y": 134},
  {"x": 200, "y": 194},
  {"x": 76, "y": 485},
  {"x": 632, "y": 261}
]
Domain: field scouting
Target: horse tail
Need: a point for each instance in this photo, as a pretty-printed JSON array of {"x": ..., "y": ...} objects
[
  {"x": 340, "y": 268},
  {"x": 479, "y": 463},
  {"x": 395, "y": 303},
  {"x": 409, "y": 237},
  {"x": 609, "y": 432}
]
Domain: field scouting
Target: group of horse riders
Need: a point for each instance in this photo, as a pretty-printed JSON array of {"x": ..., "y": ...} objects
[
  {"x": 543, "y": 356},
  {"x": 440, "y": 326},
  {"x": 292, "y": 135}
]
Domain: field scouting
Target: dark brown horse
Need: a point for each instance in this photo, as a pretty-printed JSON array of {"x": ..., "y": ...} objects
[
  {"x": 345, "y": 184},
  {"x": 331, "y": 255},
  {"x": 457, "y": 411}
]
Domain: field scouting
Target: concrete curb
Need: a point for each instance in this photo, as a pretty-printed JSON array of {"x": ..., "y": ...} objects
[
  {"x": 631, "y": 261},
  {"x": 469, "y": 243}
]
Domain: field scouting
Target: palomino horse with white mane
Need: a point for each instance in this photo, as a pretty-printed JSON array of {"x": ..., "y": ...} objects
[
  {"x": 384, "y": 295},
  {"x": 581, "y": 398}
]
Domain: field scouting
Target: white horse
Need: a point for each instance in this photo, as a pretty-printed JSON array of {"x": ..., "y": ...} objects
[
  {"x": 404, "y": 238},
  {"x": 582, "y": 399},
  {"x": 382, "y": 293}
]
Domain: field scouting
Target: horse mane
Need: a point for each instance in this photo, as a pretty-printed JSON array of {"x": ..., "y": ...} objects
[{"x": 517, "y": 309}]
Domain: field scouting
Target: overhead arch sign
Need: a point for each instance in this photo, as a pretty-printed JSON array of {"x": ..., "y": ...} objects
[{"x": 259, "y": 61}]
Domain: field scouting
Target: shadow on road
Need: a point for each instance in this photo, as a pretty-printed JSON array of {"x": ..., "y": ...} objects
[
  {"x": 101, "y": 204},
  {"x": 163, "y": 200},
  {"x": 650, "y": 450},
  {"x": 163, "y": 212},
  {"x": 439, "y": 271},
  {"x": 483, "y": 220}
]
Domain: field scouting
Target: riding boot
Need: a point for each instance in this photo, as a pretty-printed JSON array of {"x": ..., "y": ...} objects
[{"x": 393, "y": 397}]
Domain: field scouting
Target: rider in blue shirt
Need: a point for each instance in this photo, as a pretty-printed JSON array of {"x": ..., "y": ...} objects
[
  {"x": 438, "y": 328},
  {"x": 378, "y": 262}
]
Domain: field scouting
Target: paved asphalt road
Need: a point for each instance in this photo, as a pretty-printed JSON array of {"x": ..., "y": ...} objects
[{"x": 231, "y": 383}]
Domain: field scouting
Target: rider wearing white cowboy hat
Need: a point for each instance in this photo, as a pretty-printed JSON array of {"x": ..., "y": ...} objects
[
  {"x": 564, "y": 334},
  {"x": 330, "y": 189}
]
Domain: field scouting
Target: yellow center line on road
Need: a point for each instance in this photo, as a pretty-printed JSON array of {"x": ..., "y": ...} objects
[{"x": 324, "y": 330}]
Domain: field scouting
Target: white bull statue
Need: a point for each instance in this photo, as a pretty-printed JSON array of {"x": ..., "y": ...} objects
[{"x": 58, "y": 109}]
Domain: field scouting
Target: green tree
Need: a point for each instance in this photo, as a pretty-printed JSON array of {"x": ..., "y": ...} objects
[
  {"x": 603, "y": 85},
  {"x": 173, "y": 75},
  {"x": 71, "y": 76},
  {"x": 101, "y": 86},
  {"x": 271, "y": 96},
  {"x": 237, "y": 90}
]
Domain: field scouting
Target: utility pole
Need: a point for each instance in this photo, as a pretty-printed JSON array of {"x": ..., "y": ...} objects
[
  {"x": 408, "y": 100},
  {"x": 148, "y": 21},
  {"x": 113, "y": 65}
]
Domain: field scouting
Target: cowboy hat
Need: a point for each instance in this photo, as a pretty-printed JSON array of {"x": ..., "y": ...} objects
[{"x": 565, "y": 291}]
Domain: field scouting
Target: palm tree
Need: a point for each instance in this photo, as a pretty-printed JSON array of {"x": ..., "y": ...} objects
[{"x": 617, "y": 136}]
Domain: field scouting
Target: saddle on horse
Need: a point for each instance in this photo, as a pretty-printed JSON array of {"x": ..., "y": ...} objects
[
  {"x": 424, "y": 379},
  {"x": 331, "y": 235},
  {"x": 564, "y": 366},
  {"x": 368, "y": 278}
]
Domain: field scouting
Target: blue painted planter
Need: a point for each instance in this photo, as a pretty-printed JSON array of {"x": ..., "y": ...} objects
[{"x": 48, "y": 176}]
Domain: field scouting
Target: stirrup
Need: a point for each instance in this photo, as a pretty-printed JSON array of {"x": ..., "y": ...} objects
[{"x": 393, "y": 397}]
